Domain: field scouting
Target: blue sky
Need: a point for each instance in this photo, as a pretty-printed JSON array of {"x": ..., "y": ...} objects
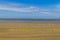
[{"x": 30, "y": 9}]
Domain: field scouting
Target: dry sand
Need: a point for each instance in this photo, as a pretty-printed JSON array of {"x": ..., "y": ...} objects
[{"x": 29, "y": 30}]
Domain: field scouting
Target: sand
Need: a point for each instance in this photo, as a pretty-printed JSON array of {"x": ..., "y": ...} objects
[{"x": 29, "y": 30}]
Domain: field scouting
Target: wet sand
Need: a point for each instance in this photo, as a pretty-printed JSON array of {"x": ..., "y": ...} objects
[{"x": 29, "y": 30}]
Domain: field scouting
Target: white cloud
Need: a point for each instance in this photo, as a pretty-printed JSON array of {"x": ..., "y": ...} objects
[
  {"x": 55, "y": 9},
  {"x": 29, "y": 9},
  {"x": 52, "y": 10},
  {"x": 17, "y": 7},
  {"x": 22, "y": 8}
]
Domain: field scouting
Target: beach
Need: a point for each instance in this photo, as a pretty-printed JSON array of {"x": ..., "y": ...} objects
[{"x": 15, "y": 30}]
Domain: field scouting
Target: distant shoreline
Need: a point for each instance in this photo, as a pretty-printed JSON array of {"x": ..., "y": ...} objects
[
  {"x": 31, "y": 20},
  {"x": 25, "y": 20}
]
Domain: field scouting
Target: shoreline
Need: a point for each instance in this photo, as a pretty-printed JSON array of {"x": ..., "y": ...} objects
[{"x": 28, "y": 21}]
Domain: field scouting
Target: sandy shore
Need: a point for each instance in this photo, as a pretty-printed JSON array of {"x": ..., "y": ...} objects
[{"x": 29, "y": 30}]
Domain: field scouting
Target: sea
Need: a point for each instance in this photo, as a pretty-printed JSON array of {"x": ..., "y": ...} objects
[{"x": 32, "y": 20}]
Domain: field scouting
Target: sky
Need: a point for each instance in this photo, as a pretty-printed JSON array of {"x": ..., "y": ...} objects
[{"x": 30, "y": 9}]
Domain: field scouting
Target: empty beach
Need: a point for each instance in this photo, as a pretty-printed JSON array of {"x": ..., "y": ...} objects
[{"x": 11, "y": 30}]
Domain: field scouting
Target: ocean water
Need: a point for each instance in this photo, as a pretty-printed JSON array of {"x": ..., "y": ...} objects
[{"x": 32, "y": 20}]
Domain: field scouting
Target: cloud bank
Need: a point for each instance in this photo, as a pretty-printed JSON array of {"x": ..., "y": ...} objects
[
  {"x": 52, "y": 11},
  {"x": 22, "y": 8}
]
